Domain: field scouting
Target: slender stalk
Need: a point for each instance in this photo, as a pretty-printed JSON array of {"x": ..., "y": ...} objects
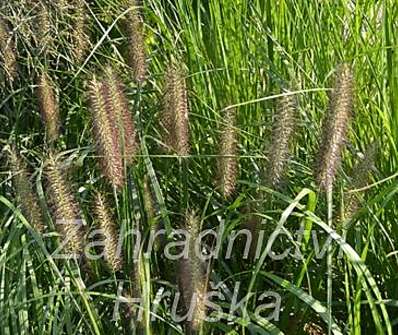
[{"x": 329, "y": 261}]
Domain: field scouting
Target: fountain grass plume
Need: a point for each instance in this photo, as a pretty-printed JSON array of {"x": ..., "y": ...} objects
[
  {"x": 175, "y": 111},
  {"x": 335, "y": 127},
  {"x": 8, "y": 53},
  {"x": 106, "y": 223},
  {"x": 25, "y": 196},
  {"x": 48, "y": 106},
  {"x": 192, "y": 278},
  {"x": 106, "y": 134},
  {"x": 136, "y": 42},
  {"x": 227, "y": 161},
  {"x": 281, "y": 138},
  {"x": 65, "y": 208}
]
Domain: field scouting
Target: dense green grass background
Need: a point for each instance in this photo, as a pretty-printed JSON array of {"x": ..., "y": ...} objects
[{"x": 236, "y": 52}]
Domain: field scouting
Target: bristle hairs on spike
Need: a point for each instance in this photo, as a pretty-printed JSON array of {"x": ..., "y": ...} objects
[
  {"x": 175, "y": 120},
  {"x": 117, "y": 101},
  {"x": 359, "y": 178},
  {"x": 25, "y": 195},
  {"x": 8, "y": 54},
  {"x": 48, "y": 106},
  {"x": 335, "y": 127},
  {"x": 193, "y": 279},
  {"x": 106, "y": 134},
  {"x": 80, "y": 38},
  {"x": 65, "y": 208},
  {"x": 282, "y": 134},
  {"x": 109, "y": 230},
  {"x": 227, "y": 161},
  {"x": 136, "y": 41}
]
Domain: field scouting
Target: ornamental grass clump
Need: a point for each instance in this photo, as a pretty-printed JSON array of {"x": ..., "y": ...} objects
[
  {"x": 107, "y": 225},
  {"x": 65, "y": 208},
  {"x": 227, "y": 162},
  {"x": 192, "y": 277},
  {"x": 175, "y": 120},
  {"x": 25, "y": 196},
  {"x": 48, "y": 106}
]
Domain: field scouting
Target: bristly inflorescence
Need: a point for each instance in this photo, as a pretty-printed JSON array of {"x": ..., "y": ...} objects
[
  {"x": 118, "y": 101},
  {"x": 282, "y": 134},
  {"x": 359, "y": 178},
  {"x": 25, "y": 195},
  {"x": 114, "y": 129},
  {"x": 43, "y": 27},
  {"x": 335, "y": 127},
  {"x": 175, "y": 120},
  {"x": 79, "y": 34},
  {"x": 193, "y": 280},
  {"x": 109, "y": 230},
  {"x": 106, "y": 134},
  {"x": 66, "y": 211},
  {"x": 136, "y": 42},
  {"x": 48, "y": 106},
  {"x": 8, "y": 55},
  {"x": 227, "y": 161}
]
